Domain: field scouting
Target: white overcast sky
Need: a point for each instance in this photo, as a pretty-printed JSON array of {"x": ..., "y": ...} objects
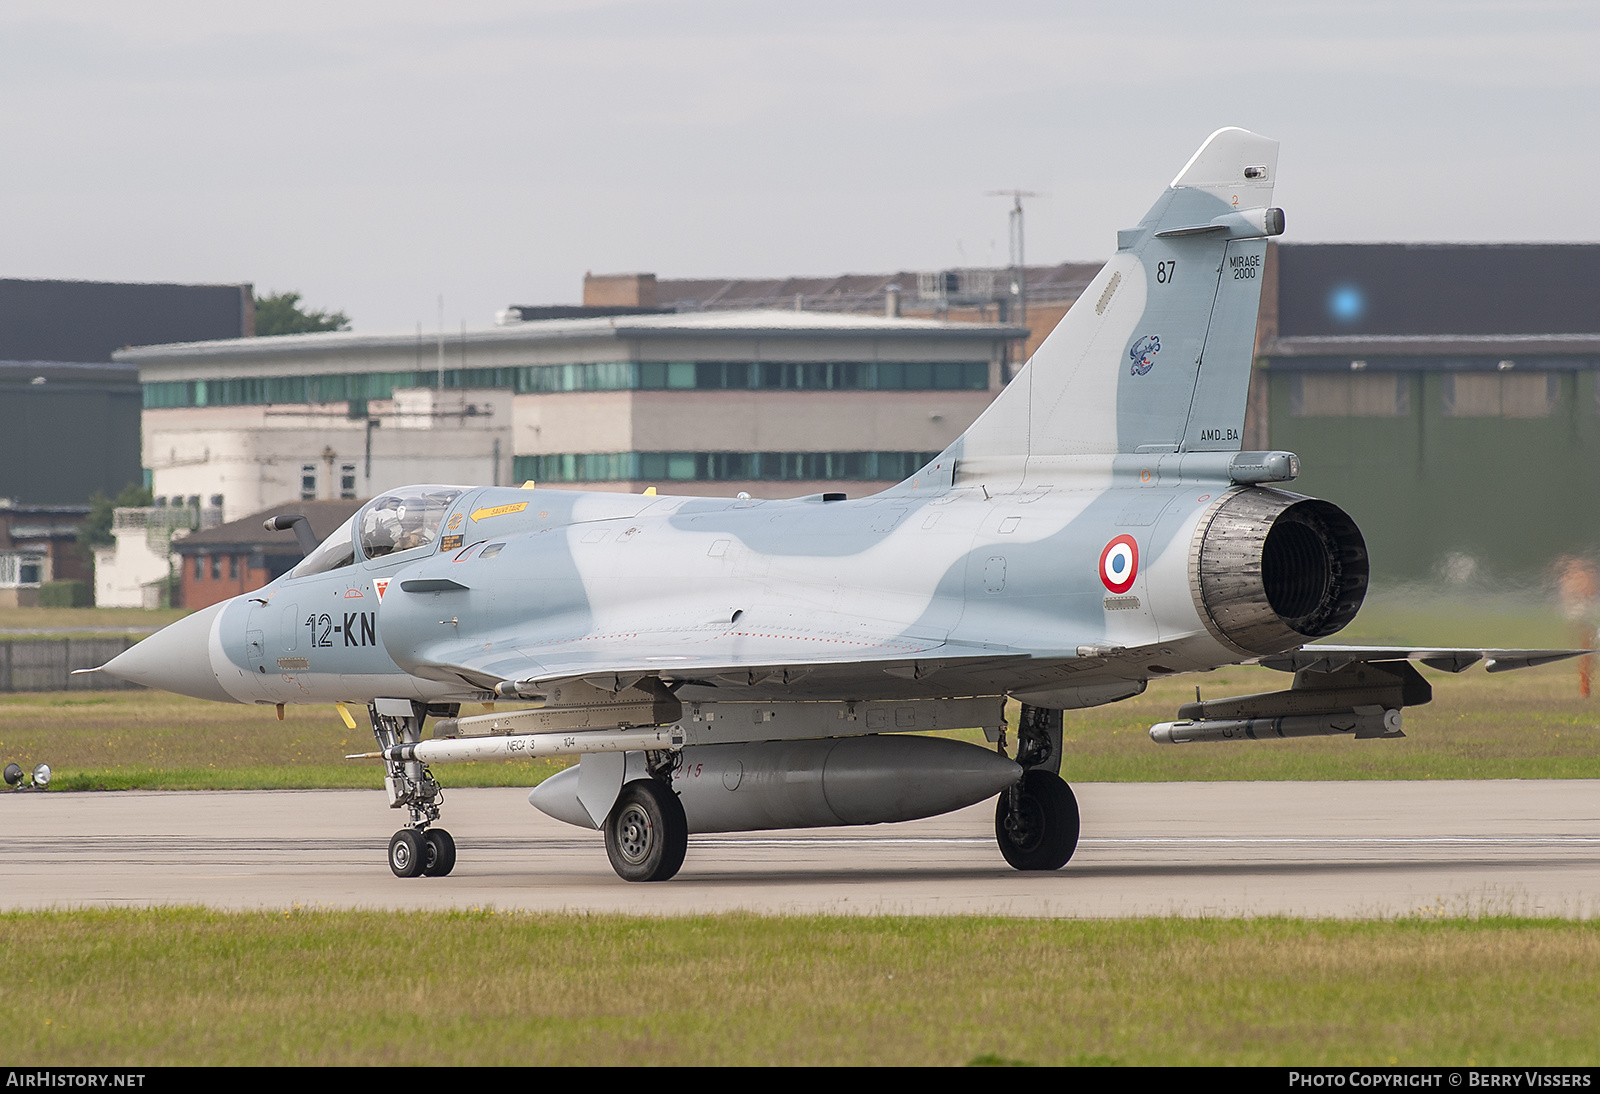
[{"x": 374, "y": 156}]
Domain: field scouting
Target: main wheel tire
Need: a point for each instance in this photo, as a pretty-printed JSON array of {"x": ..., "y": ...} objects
[
  {"x": 1042, "y": 832},
  {"x": 407, "y": 853},
  {"x": 647, "y": 834},
  {"x": 439, "y": 853}
]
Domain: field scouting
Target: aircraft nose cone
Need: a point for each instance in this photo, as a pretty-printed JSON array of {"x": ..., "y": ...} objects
[{"x": 175, "y": 658}]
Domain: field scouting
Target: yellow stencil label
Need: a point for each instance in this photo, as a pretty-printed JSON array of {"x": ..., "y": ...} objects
[{"x": 499, "y": 510}]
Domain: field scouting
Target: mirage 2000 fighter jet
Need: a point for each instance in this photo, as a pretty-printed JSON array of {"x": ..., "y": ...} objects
[{"x": 738, "y": 664}]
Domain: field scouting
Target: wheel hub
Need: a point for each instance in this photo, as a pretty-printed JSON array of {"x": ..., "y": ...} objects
[
  {"x": 633, "y": 832},
  {"x": 1025, "y": 823}
]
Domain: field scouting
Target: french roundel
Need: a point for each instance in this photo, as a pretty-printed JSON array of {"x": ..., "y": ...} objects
[{"x": 1119, "y": 564}]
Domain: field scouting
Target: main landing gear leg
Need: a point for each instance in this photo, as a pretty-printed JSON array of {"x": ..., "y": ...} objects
[
  {"x": 417, "y": 850},
  {"x": 1036, "y": 820},
  {"x": 647, "y": 834}
]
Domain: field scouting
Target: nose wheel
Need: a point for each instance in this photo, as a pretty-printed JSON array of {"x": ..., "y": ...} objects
[
  {"x": 422, "y": 854},
  {"x": 406, "y": 854},
  {"x": 417, "y": 850},
  {"x": 441, "y": 853}
]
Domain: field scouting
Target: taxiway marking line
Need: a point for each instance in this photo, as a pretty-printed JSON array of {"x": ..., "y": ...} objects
[{"x": 1174, "y": 841}]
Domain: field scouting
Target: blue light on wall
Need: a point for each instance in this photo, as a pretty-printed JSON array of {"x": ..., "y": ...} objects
[{"x": 1347, "y": 303}]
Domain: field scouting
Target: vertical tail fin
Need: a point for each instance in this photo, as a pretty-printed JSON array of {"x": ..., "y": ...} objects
[{"x": 1156, "y": 354}]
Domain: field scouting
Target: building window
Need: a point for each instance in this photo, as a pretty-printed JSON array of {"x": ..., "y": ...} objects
[
  {"x": 1499, "y": 394},
  {"x": 308, "y": 482},
  {"x": 1349, "y": 395},
  {"x": 199, "y": 568},
  {"x": 347, "y": 480},
  {"x": 216, "y": 567},
  {"x": 233, "y": 567},
  {"x": 721, "y": 466},
  {"x": 20, "y": 569},
  {"x": 356, "y": 388}
]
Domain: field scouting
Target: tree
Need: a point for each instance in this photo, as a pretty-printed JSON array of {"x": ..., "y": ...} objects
[
  {"x": 280, "y": 313},
  {"x": 95, "y": 531}
]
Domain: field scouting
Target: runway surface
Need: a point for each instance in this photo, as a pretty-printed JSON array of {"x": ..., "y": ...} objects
[{"x": 1316, "y": 849}]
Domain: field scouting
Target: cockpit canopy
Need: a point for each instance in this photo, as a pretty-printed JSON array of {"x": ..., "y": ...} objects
[
  {"x": 404, "y": 519},
  {"x": 395, "y": 521}
]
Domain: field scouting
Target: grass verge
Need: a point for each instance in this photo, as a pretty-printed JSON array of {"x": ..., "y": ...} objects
[
  {"x": 80, "y": 620},
  {"x": 1522, "y": 725},
  {"x": 147, "y": 740},
  {"x": 186, "y": 986}
]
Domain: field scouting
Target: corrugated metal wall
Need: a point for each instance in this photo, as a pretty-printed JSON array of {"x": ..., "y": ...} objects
[{"x": 46, "y": 664}]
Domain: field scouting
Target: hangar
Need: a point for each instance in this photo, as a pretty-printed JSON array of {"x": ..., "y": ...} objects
[
  {"x": 1444, "y": 394},
  {"x": 59, "y": 383}
]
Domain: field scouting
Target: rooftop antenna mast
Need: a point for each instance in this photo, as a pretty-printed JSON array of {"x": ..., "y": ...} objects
[
  {"x": 441, "y": 342},
  {"x": 1019, "y": 265}
]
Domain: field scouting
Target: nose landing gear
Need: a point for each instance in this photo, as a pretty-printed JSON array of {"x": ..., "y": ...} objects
[{"x": 417, "y": 850}]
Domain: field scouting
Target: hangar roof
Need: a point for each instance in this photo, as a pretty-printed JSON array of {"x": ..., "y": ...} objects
[{"x": 1435, "y": 350}]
